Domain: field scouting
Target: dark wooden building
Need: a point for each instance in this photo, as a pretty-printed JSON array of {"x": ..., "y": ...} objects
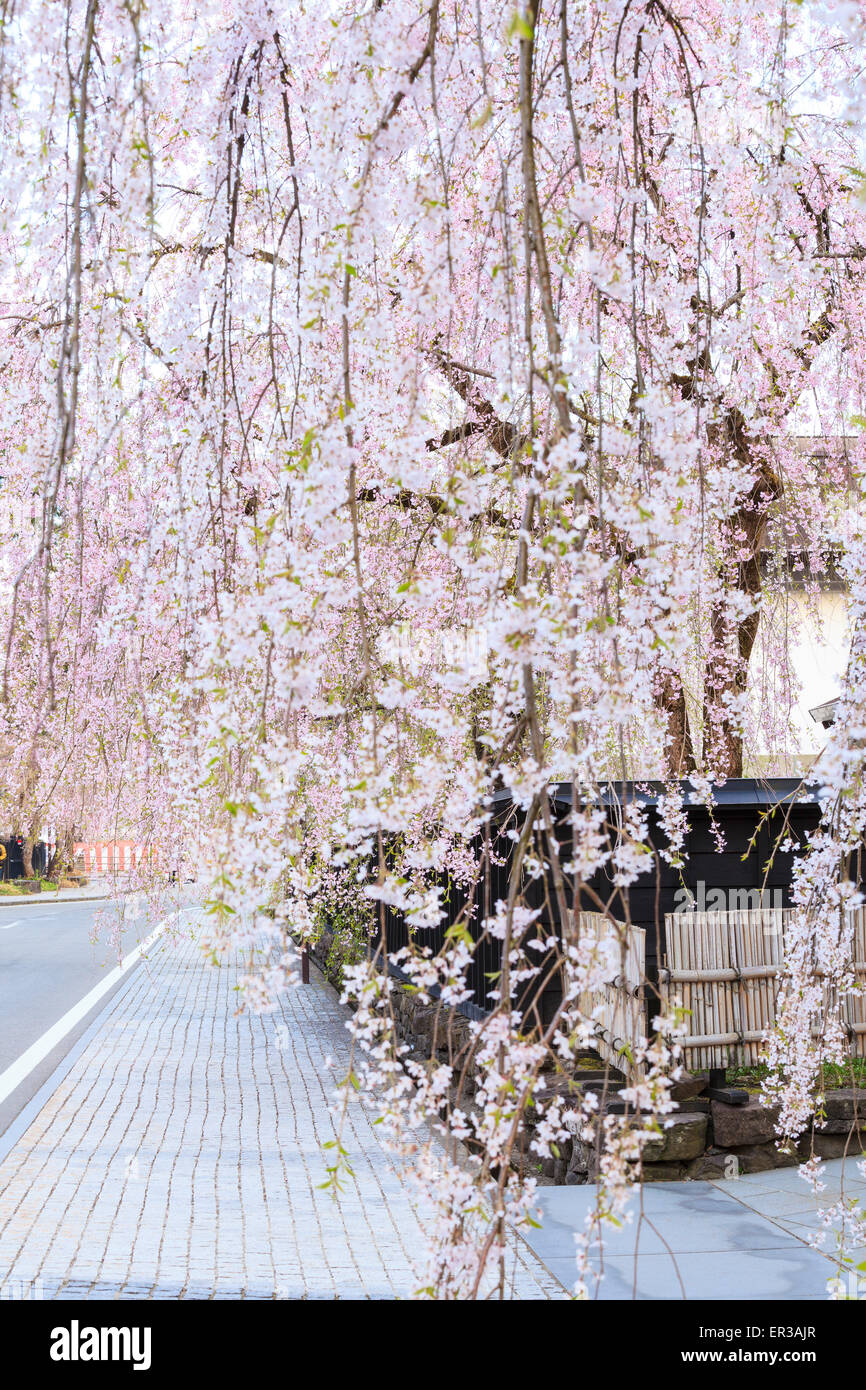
[{"x": 730, "y": 859}]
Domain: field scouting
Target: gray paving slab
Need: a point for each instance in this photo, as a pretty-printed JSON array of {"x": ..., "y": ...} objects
[
  {"x": 771, "y": 1275},
  {"x": 837, "y": 1173},
  {"x": 684, "y": 1217},
  {"x": 800, "y": 1211},
  {"x": 684, "y": 1241}
]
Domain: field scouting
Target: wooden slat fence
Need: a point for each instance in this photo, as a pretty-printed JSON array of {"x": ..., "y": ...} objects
[
  {"x": 618, "y": 1008},
  {"x": 854, "y": 1005},
  {"x": 724, "y": 969}
]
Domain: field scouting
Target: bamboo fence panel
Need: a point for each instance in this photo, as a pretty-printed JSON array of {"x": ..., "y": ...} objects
[
  {"x": 855, "y": 1004},
  {"x": 618, "y": 1008},
  {"x": 724, "y": 968}
]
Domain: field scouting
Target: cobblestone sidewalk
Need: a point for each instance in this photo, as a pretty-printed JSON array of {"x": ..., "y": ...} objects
[{"x": 181, "y": 1157}]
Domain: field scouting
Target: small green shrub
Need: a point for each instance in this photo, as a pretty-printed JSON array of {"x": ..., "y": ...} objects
[
  {"x": 348, "y": 947},
  {"x": 833, "y": 1076},
  {"x": 344, "y": 919}
]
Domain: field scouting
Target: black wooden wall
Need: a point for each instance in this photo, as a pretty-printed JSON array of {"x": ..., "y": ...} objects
[{"x": 753, "y": 816}]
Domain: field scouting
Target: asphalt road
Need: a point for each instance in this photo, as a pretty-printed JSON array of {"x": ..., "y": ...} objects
[{"x": 47, "y": 965}]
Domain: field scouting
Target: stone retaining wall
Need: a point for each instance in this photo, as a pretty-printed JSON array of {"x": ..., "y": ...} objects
[
  {"x": 705, "y": 1140},
  {"x": 708, "y": 1139}
]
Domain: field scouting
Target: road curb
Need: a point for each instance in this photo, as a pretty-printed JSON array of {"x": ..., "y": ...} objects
[
  {"x": 18, "y": 1126},
  {"x": 11, "y": 1078},
  {"x": 41, "y": 899}
]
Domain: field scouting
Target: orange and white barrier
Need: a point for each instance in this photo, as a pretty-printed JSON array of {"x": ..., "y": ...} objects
[{"x": 114, "y": 856}]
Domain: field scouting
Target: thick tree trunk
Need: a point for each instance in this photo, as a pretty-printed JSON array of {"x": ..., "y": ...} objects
[
  {"x": 727, "y": 668},
  {"x": 28, "y": 814},
  {"x": 27, "y": 855},
  {"x": 62, "y": 858},
  {"x": 679, "y": 749},
  {"x": 727, "y": 675},
  {"x": 732, "y": 641}
]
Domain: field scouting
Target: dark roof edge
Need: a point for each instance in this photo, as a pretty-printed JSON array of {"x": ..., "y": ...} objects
[{"x": 736, "y": 791}]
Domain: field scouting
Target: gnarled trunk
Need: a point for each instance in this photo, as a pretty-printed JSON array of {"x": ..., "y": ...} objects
[
  {"x": 62, "y": 858},
  {"x": 679, "y": 749},
  {"x": 732, "y": 640},
  {"x": 27, "y": 856}
]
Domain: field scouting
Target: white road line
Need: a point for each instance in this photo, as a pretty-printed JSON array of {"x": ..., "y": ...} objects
[
  {"x": 20, "y": 1070},
  {"x": 43, "y": 917}
]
